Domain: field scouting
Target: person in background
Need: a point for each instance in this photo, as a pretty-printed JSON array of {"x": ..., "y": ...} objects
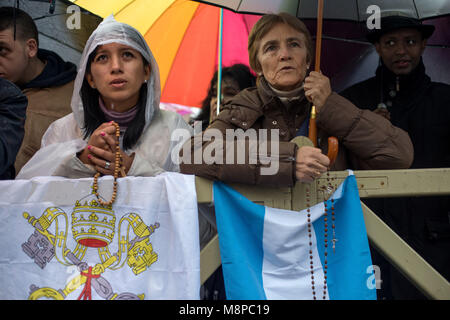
[
  {"x": 45, "y": 78},
  {"x": 12, "y": 118},
  {"x": 235, "y": 78},
  {"x": 118, "y": 82},
  {"x": 280, "y": 52},
  {"x": 402, "y": 92}
]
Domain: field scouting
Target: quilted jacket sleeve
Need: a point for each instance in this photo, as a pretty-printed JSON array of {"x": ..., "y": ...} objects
[
  {"x": 13, "y": 106},
  {"x": 217, "y": 154},
  {"x": 371, "y": 141}
]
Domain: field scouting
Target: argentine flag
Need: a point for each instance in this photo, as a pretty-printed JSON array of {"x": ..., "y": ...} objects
[{"x": 265, "y": 251}]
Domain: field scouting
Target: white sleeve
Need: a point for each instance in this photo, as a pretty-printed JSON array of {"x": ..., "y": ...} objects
[
  {"x": 150, "y": 157},
  {"x": 176, "y": 142},
  {"x": 61, "y": 130}
]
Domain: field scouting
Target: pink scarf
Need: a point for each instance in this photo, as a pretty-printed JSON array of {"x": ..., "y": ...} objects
[{"x": 122, "y": 118}]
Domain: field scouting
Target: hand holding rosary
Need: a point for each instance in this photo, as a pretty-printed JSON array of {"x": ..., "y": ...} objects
[{"x": 118, "y": 169}]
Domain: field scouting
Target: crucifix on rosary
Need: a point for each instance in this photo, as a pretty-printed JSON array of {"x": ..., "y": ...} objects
[
  {"x": 334, "y": 240},
  {"x": 329, "y": 189}
]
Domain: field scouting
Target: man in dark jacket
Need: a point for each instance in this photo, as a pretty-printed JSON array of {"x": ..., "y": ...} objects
[
  {"x": 12, "y": 118},
  {"x": 43, "y": 76},
  {"x": 402, "y": 92}
]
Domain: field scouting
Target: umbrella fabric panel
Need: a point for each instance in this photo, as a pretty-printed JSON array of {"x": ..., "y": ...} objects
[
  {"x": 103, "y": 10},
  {"x": 354, "y": 10},
  {"x": 189, "y": 71},
  {"x": 441, "y": 35},
  {"x": 98, "y": 7},
  {"x": 235, "y": 37},
  {"x": 338, "y": 9},
  {"x": 53, "y": 32},
  {"x": 437, "y": 8},
  {"x": 257, "y": 6},
  {"x": 166, "y": 34},
  {"x": 193, "y": 66},
  {"x": 134, "y": 12}
]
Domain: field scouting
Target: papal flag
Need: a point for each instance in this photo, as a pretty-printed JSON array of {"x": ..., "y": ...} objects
[
  {"x": 58, "y": 242},
  {"x": 321, "y": 252}
]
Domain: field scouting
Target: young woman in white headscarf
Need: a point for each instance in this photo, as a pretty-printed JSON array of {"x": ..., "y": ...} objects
[{"x": 117, "y": 83}]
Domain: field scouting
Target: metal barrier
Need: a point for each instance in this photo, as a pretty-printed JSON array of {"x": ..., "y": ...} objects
[{"x": 371, "y": 184}]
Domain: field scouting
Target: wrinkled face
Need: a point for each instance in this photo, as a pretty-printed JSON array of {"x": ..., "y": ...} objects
[
  {"x": 118, "y": 72},
  {"x": 229, "y": 89},
  {"x": 282, "y": 55},
  {"x": 14, "y": 56},
  {"x": 401, "y": 50}
]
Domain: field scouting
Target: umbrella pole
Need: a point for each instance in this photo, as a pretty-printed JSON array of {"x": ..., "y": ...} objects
[
  {"x": 333, "y": 146},
  {"x": 312, "y": 132},
  {"x": 319, "y": 34},
  {"x": 219, "y": 63}
]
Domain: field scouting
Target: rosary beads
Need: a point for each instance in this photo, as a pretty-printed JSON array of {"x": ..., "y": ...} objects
[{"x": 117, "y": 167}]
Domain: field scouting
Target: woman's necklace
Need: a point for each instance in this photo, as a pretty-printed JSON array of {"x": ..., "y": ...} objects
[{"x": 117, "y": 167}]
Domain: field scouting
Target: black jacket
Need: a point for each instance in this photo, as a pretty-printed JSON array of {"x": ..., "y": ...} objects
[
  {"x": 422, "y": 108},
  {"x": 13, "y": 105},
  {"x": 56, "y": 71}
]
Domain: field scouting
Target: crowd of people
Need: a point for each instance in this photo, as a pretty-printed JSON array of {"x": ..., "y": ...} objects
[{"x": 57, "y": 119}]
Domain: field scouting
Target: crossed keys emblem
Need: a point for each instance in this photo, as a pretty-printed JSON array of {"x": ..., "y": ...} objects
[
  {"x": 93, "y": 226},
  {"x": 90, "y": 278}
]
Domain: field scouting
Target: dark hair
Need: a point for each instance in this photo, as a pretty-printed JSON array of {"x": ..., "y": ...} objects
[
  {"x": 25, "y": 26},
  {"x": 238, "y": 72},
  {"x": 94, "y": 117}
]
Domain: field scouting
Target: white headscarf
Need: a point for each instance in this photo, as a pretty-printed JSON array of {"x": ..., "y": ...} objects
[{"x": 112, "y": 31}]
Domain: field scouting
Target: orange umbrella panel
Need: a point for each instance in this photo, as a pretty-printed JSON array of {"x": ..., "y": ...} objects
[
  {"x": 191, "y": 69},
  {"x": 194, "y": 63}
]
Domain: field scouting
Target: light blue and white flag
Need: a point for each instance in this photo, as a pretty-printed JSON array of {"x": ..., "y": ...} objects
[
  {"x": 266, "y": 252},
  {"x": 58, "y": 242}
]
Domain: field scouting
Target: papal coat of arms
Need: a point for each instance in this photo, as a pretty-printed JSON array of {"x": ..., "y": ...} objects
[{"x": 94, "y": 227}]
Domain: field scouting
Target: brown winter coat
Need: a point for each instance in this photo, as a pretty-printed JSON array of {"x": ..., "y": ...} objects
[
  {"x": 367, "y": 141},
  {"x": 45, "y": 105}
]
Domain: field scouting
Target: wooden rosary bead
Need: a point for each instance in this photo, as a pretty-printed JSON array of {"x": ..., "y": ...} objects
[
  {"x": 325, "y": 214},
  {"x": 117, "y": 167},
  {"x": 310, "y": 243}
]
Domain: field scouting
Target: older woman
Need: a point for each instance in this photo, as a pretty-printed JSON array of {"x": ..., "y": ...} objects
[
  {"x": 280, "y": 51},
  {"x": 117, "y": 84}
]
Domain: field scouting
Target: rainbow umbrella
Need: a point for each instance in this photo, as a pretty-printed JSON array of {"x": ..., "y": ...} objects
[{"x": 184, "y": 37}]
